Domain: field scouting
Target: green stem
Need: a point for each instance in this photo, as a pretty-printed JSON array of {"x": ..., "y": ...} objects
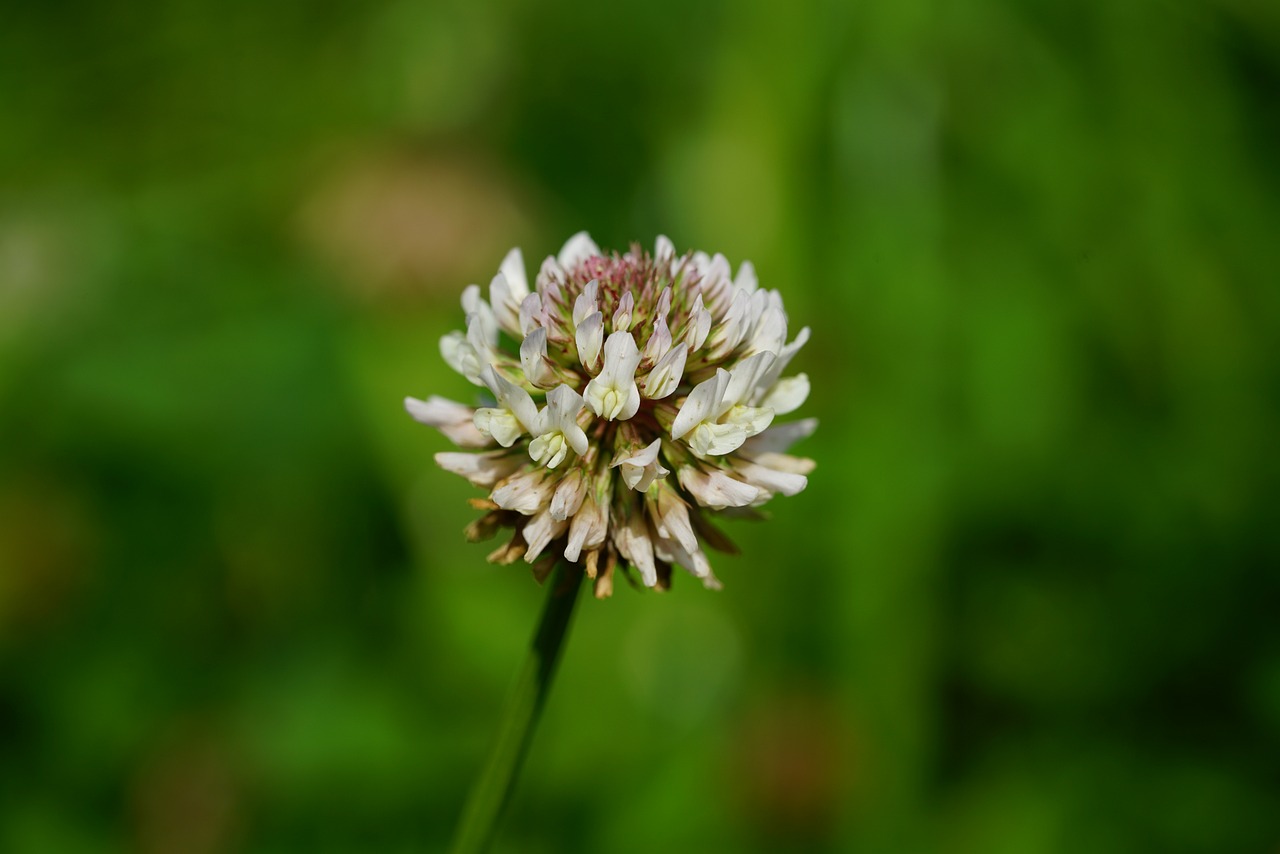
[{"x": 492, "y": 791}]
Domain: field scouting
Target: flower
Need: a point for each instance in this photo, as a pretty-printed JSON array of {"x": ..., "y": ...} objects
[{"x": 641, "y": 402}]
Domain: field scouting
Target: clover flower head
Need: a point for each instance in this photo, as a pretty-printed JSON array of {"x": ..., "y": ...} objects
[{"x": 642, "y": 401}]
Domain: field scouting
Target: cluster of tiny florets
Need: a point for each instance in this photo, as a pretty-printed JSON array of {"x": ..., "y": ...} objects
[{"x": 642, "y": 398}]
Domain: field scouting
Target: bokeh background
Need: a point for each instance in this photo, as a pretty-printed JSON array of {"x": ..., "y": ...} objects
[{"x": 1027, "y": 604}]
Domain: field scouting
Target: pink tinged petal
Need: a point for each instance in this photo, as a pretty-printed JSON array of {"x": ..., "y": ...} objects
[
  {"x": 714, "y": 440},
  {"x": 532, "y": 314},
  {"x": 577, "y": 249},
  {"x": 586, "y": 303},
  {"x": 461, "y": 356},
  {"x": 666, "y": 375},
  {"x": 533, "y": 359},
  {"x": 787, "y": 395},
  {"x": 780, "y": 437},
  {"x": 613, "y": 395},
  {"x": 506, "y": 307},
  {"x": 513, "y": 269},
  {"x": 633, "y": 543},
  {"x": 701, "y": 403},
  {"x": 524, "y": 493},
  {"x": 482, "y": 470},
  {"x": 772, "y": 480},
  {"x": 539, "y": 532},
  {"x": 715, "y": 489},
  {"x": 622, "y": 316},
  {"x": 746, "y": 278},
  {"x": 642, "y": 468},
  {"x": 589, "y": 337},
  {"x": 452, "y": 419},
  {"x": 588, "y": 529},
  {"x": 568, "y": 496}
]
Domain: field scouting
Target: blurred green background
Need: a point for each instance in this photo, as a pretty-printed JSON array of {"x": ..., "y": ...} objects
[{"x": 1027, "y": 604}]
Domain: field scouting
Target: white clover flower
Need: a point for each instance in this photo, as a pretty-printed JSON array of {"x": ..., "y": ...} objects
[{"x": 630, "y": 368}]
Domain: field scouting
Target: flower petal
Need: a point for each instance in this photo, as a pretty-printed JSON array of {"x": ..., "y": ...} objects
[
  {"x": 577, "y": 249},
  {"x": 787, "y": 395},
  {"x": 701, "y": 403}
]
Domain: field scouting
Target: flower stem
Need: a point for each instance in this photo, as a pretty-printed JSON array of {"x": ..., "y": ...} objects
[{"x": 492, "y": 790}]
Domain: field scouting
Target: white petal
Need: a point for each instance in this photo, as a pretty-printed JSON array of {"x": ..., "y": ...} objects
[
  {"x": 437, "y": 411},
  {"x": 563, "y": 406},
  {"x": 666, "y": 375},
  {"x": 513, "y": 399},
  {"x": 752, "y": 419},
  {"x": 787, "y": 395},
  {"x": 746, "y": 278},
  {"x": 770, "y": 333},
  {"x": 772, "y": 480},
  {"x": 531, "y": 313},
  {"x": 642, "y": 468},
  {"x": 524, "y": 493},
  {"x": 500, "y": 424},
  {"x": 622, "y": 316},
  {"x": 454, "y": 420},
  {"x": 659, "y": 342},
  {"x": 710, "y": 439},
  {"x": 539, "y": 531},
  {"x": 699, "y": 325},
  {"x": 569, "y": 495},
  {"x": 715, "y": 489},
  {"x": 632, "y": 541},
  {"x": 664, "y": 303},
  {"x": 664, "y": 249},
  {"x": 586, "y": 303},
  {"x": 779, "y": 437},
  {"x": 461, "y": 356},
  {"x": 614, "y": 394},
  {"x": 701, "y": 403},
  {"x": 744, "y": 378},
  {"x": 513, "y": 268},
  {"x": 506, "y": 306},
  {"x": 590, "y": 338},
  {"x": 549, "y": 449},
  {"x": 784, "y": 358},
  {"x": 577, "y": 249},
  {"x": 588, "y": 528},
  {"x": 533, "y": 358},
  {"x": 784, "y": 462},
  {"x": 481, "y": 469},
  {"x": 673, "y": 521}
]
